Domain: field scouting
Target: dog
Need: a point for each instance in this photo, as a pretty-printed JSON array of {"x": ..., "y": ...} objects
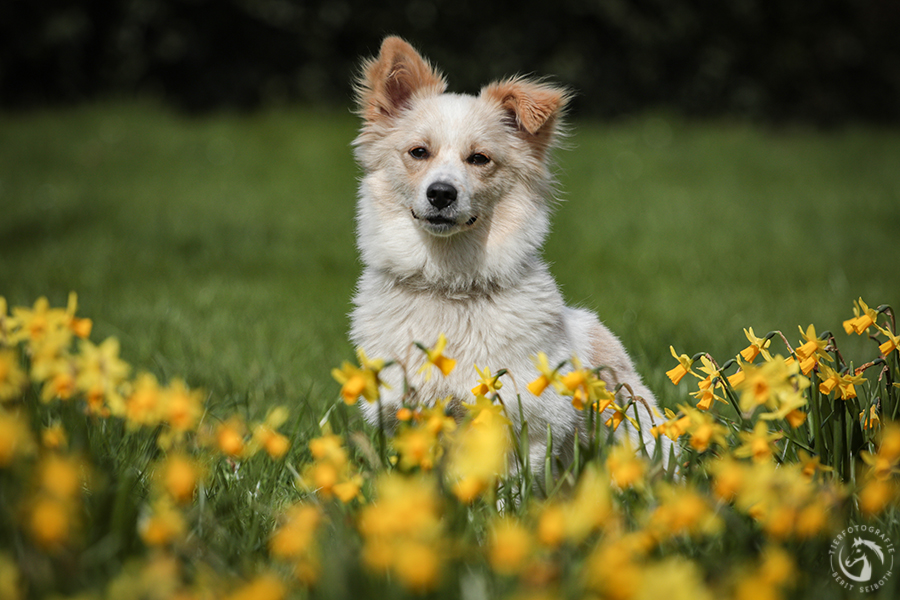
[{"x": 453, "y": 208}]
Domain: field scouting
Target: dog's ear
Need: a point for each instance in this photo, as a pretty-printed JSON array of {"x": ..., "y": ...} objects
[
  {"x": 389, "y": 81},
  {"x": 533, "y": 107}
]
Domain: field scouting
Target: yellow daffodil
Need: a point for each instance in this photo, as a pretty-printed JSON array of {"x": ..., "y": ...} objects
[
  {"x": 626, "y": 468},
  {"x": 178, "y": 475},
  {"x": 484, "y": 410},
  {"x": 331, "y": 474},
  {"x": 812, "y": 351},
  {"x": 262, "y": 587},
  {"x": 864, "y": 317},
  {"x": 16, "y": 440},
  {"x": 892, "y": 343},
  {"x": 8, "y": 325},
  {"x": 266, "y": 436},
  {"x": 478, "y": 458},
  {"x": 684, "y": 366},
  {"x": 359, "y": 381},
  {"x": 811, "y": 465},
  {"x": 757, "y": 346},
  {"x": 674, "y": 427},
  {"x": 434, "y": 357},
  {"x": 101, "y": 375},
  {"x": 757, "y": 444},
  {"x": 509, "y": 546},
  {"x": 417, "y": 447},
  {"x": 163, "y": 526},
  {"x": 848, "y": 383},
  {"x": 547, "y": 376},
  {"x": 230, "y": 437},
  {"x": 487, "y": 383},
  {"x": 585, "y": 388},
  {"x": 704, "y": 429},
  {"x": 12, "y": 378},
  {"x": 402, "y": 531}
]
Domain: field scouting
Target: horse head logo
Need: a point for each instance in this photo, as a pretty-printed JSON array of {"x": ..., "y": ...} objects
[{"x": 859, "y": 555}]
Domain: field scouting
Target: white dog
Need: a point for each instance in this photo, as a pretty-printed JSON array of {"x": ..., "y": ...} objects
[{"x": 453, "y": 209}]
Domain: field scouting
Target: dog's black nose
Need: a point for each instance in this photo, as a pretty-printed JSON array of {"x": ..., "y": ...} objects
[{"x": 441, "y": 195}]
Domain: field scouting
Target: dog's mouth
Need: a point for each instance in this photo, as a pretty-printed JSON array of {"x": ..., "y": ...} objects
[{"x": 440, "y": 222}]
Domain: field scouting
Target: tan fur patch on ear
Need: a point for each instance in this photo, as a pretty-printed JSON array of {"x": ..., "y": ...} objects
[
  {"x": 390, "y": 80},
  {"x": 533, "y": 104}
]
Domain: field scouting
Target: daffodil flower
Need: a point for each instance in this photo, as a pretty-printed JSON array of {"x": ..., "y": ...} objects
[
  {"x": 684, "y": 366},
  {"x": 864, "y": 317},
  {"x": 434, "y": 357},
  {"x": 359, "y": 381},
  {"x": 892, "y": 343},
  {"x": 757, "y": 443},
  {"x": 548, "y": 376},
  {"x": 757, "y": 346},
  {"x": 487, "y": 383},
  {"x": 812, "y": 351}
]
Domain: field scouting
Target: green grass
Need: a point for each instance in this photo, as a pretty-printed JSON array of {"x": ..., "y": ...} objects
[{"x": 221, "y": 248}]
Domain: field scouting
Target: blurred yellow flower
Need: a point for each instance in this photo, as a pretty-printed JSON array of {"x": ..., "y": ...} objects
[
  {"x": 331, "y": 474},
  {"x": 757, "y": 444},
  {"x": 230, "y": 437},
  {"x": 8, "y": 325},
  {"x": 181, "y": 407},
  {"x": 164, "y": 524},
  {"x": 53, "y": 437},
  {"x": 682, "y": 511},
  {"x": 417, "y": 447},
  {"x": 402, "y": 531},
  {"x": 12, "y": 378},
  {"x": 101, "y": 375},
  {"x": 263, "y": 587},
  {"x": 626, "y": 468},
  {"x": 16, "y": 439},
  {"x": 50, "y": 522},
  {"x": 674, "y": 427},
  {"x": 295, "y": 535},
  {"x": 359, "y": 381},
  {"x": 509, "y": 546},
  {"x": 876, "y": 495},
  {"x": 547, "y": 376},
  {"x": 179, "y": 476},
  {"x": 266, "y": 436},
  {"x": 434, "y": 357},
  {"x": 143, "y": 406},
  {"x": 478, "y": 457}
]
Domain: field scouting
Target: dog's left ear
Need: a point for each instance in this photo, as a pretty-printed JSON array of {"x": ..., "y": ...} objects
[{"x": 534, "y": 107}]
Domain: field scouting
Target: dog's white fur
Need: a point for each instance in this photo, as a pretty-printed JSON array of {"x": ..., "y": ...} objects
[{"x": 471, "y": 270}]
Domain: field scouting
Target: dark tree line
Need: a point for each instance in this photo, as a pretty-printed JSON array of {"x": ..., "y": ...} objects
[{"x": 824, "y": 61}]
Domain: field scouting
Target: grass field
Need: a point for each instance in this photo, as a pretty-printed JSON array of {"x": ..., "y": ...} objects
[{"x": 220, "y": 249}]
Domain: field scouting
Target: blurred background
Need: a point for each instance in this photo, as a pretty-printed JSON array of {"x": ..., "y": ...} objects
[
  {"x": 185, "y": 166},
  {"x": 826, "y": 62}
]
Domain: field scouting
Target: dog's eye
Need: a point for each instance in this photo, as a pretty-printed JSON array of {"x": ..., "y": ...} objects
[
  {"x": 419, "y": 153},
  {"x": 478, "y": 159}
]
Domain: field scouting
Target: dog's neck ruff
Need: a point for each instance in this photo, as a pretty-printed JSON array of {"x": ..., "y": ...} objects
[{"x": 457, "y": 288}]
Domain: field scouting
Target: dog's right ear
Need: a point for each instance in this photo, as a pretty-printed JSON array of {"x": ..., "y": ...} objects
[{"x": 389, "y": 81}]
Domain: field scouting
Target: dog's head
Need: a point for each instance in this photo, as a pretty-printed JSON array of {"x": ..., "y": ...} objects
[{"x": 451, "y": 165}]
